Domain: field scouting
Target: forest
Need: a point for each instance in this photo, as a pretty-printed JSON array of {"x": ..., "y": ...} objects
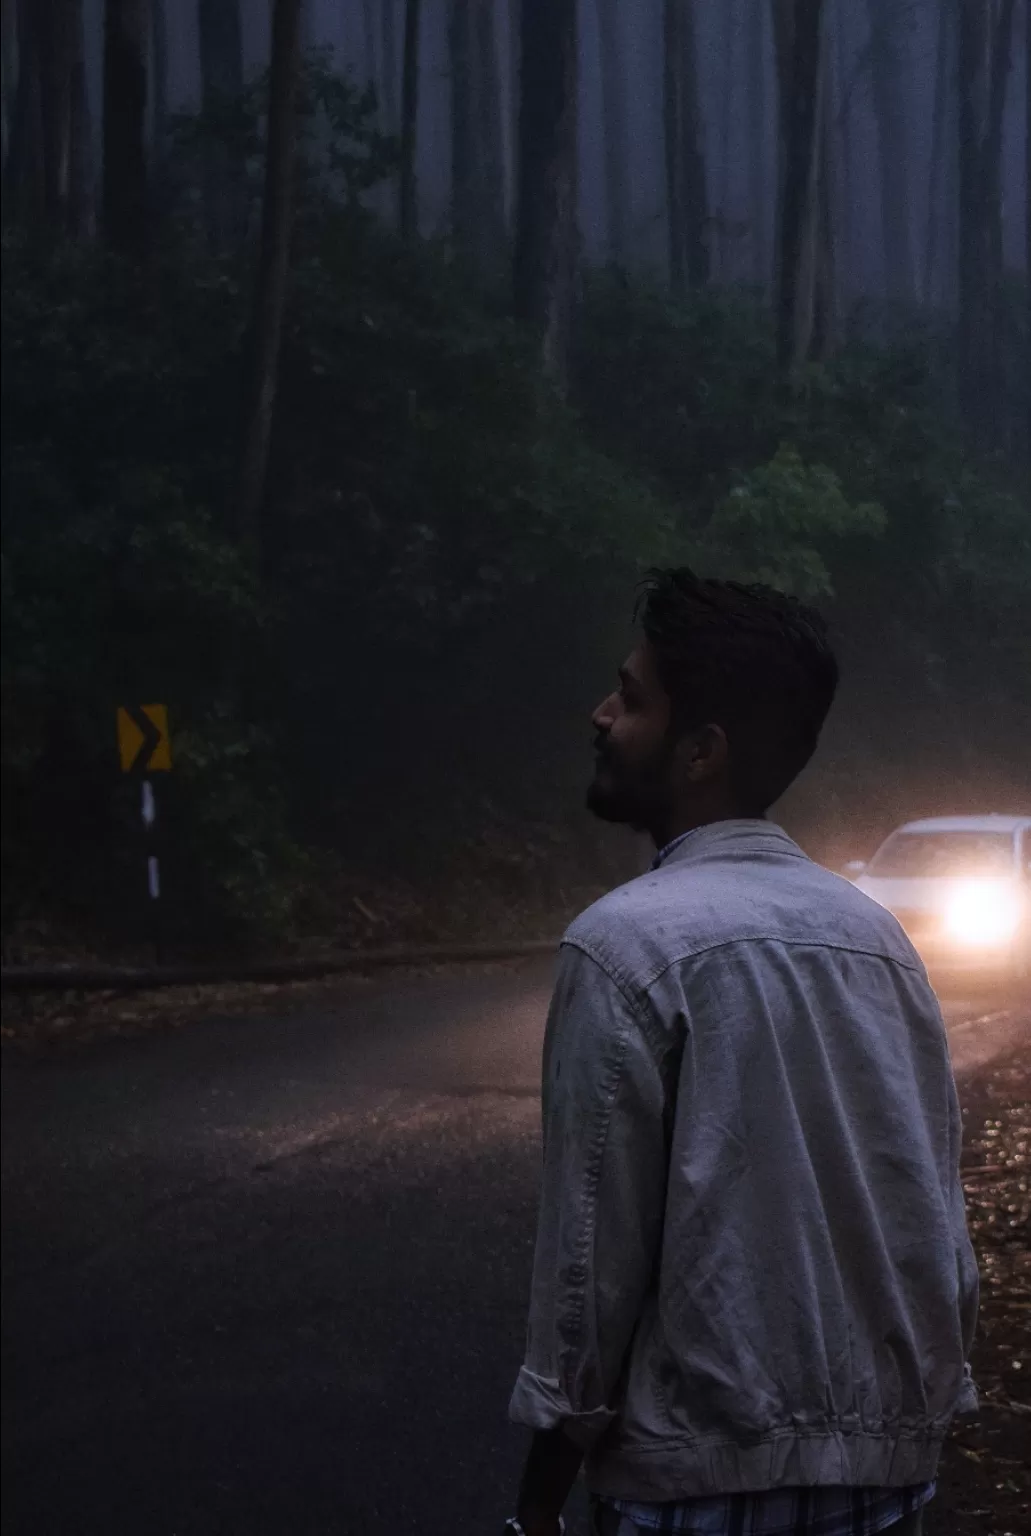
[{"x": 359, "y": 359}]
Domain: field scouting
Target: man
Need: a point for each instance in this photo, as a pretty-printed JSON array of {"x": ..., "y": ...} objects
[{"x": 754, "y": 1294}]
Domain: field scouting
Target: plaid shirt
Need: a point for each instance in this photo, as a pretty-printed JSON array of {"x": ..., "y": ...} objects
[{"x": 781, "y": 1512}]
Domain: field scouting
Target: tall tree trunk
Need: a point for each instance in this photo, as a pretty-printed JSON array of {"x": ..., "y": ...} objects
[
  {"x": 723, "y": 225},
  {"x": 221, "y": 73},
  {"x": 82, "y": 208},
  {"x": 1027, "y": 217},
  {"x": 971, "y": 68},
  {"x": 24, "y": 189},
  {"x": 545, "y": 251},
  {"x": 490, "y": 133},
  {"x": 798, "y": 30},
  {"x": 126, "y": 32},
  {"x": 159, "y": 91},
  {"x": 8, "y": 79},
  {"x": 942, "y": 84},
  {"x": 1001, "y": 63},
  {"x": 477, "y": 151},
  {"x": 408, "y": 197},
  {"x": 839, "y": 107},
  {"x": 515, "y": 25},
  {"x": 388, "y": 62},
  {"x": 371, "y": 48},
  {"x": 62, "y": 56},
  {"x": 948, "y": 262},
  {"x": 984, "y": 59},
  {"x": 825, "y": 274},
  {"x": 696, "y": 194},
  {"x": 891, "y": 77},
  {"x": 755, "y": 66},
  {"x": 463, "y": 126},
  {"x": 676, "y": 214},
  {"x": 686, "y": 191},
  {"x": 47, "y": 152},
  {"x": 615, "y": 144},
  {"x": 273, "y": 265},
  {"x": 55, "y": 23}
]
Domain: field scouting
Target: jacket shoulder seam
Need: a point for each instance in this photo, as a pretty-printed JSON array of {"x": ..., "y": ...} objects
[
  {"x": 633, "y": 993},
  {"x": 635, "y": 989},
  {"x": 650, "y": 979}
]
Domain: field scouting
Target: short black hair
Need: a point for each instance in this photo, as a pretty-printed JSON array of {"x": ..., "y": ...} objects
[{"x": 748, "y": 658}]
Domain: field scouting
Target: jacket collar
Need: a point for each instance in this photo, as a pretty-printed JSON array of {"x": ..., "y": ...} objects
[{"x": 739, "y": 837}]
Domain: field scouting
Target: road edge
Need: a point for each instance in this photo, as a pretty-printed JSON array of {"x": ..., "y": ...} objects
[{"x": 82, "y": 978}]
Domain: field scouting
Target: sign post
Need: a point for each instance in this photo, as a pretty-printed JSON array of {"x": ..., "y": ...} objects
[{"x": 145, "y": 748}]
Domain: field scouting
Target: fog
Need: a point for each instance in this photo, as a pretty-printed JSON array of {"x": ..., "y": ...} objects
[
  {"x": 396, "y": 352},
  {"x": 901, "y": 42}
]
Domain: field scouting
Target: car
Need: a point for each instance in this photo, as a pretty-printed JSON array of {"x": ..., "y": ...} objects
[{"x": 961, "y": 888}]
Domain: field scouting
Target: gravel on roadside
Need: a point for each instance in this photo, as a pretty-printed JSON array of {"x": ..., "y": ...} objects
[{"x": 985, "y": 1482}]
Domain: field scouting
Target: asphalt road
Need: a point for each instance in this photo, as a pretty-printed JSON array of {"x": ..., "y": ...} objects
[{"x": 269, "y": 1274}]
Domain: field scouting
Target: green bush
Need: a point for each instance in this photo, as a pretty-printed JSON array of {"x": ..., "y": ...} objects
[
  {"x": 448, "y": 550},
  {"x": 426, "y": 503}
]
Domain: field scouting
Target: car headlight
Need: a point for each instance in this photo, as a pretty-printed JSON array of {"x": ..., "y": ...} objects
[{"x": 982, "y": 912}]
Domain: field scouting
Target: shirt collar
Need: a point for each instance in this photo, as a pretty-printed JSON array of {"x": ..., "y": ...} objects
[
  {"x": 664, "y": 853},
  {"x": 719, "y": 830}
]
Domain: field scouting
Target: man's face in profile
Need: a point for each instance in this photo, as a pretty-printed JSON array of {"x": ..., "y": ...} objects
[{"x": 632, "y": 780}]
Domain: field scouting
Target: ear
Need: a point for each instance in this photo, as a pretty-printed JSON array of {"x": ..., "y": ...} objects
[{"x": 702, "y": 754}]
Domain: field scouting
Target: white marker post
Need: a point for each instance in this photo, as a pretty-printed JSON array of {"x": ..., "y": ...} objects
[
  {"x": 145, "y": 748},
  {"x": 149, "y": 815}
]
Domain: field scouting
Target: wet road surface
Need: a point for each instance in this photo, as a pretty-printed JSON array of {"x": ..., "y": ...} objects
[{"x": 270, "y": 1274}]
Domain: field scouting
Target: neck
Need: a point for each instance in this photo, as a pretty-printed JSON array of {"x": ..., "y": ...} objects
[{"x": 683, "y": 820}]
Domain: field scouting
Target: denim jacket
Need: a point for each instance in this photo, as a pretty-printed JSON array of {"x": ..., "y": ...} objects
[{"x": 752, "y": 1267}]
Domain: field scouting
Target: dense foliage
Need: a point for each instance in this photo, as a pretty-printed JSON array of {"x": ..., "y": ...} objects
[{"x": 447, "y": 559}]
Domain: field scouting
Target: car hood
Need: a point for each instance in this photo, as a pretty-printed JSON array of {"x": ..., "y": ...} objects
[{"x": 930, "y": 895}]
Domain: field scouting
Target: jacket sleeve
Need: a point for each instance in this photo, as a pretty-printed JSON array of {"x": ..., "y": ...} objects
[
  {"x": 966, "y": 1260},
  {"x": 602, "y": 1202}
]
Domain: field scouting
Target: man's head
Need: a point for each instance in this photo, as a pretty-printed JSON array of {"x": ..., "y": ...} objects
[{"x": 719, "y": 707}]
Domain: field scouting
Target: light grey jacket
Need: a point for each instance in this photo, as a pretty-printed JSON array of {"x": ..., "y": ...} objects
[{"x": 752, "y": 1266}]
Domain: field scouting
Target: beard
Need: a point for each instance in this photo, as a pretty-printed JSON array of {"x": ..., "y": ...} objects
[{"x": 638, "y": 795}]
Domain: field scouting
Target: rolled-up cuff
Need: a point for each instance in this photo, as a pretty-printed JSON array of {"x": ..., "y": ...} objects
[
  {"x": 539, "y": 1402},
  {"x": 968, "y": 1406}
]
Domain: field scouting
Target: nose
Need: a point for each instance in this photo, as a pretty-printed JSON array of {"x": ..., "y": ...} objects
[{"x": 605, "y": 714}]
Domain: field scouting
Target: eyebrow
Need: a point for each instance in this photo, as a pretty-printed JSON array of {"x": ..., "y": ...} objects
[{"x": 628, "y": 679}]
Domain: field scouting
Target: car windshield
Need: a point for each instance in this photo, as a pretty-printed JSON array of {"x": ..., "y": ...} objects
[{"x": 919, "y": 855}]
